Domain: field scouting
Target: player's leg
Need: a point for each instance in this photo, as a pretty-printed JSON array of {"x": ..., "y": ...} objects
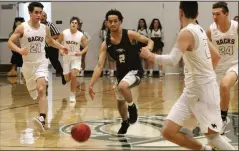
[
  {"x": 217, "y": 141},
  {"x": 82, "y": 65},
  {"x": 207, "y": 112},
  {"x": 226, "y": 84},
  {"x": 106, "y": 65},
  {"x": 14, "y": 59},
  {"x": 160, "y": 67},
  {"x": 123, "y": 95},
  {"x": 145, "y": 67},
  {"x": 66, "y": 71},
  {"x": 178, "y": 117},
  {"x": 41, "y": 75},
  {"x": 122, "y": 109},
  {"x": 111, "y": 66},
  {"x": 130, "y": 80},
  {"x": 150, "y": 68},
  {"x": 75, "y": 69},
  {"x": 41, "y": 83}
]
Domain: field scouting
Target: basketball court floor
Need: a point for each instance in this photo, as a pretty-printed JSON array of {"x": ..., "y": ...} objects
[{"x": 154, "y": 96}]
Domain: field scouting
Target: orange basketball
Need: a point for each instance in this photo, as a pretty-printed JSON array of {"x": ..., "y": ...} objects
[{"x": 80, "y": 132}]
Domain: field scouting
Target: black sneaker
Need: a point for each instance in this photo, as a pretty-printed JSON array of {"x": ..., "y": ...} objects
[
  {"x": 133, "y": 113},
  {"x": 63, "y": 81},
  {"x": 124, "y": 127}
]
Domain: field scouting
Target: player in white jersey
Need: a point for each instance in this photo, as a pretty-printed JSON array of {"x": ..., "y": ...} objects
[
  {"x": 33, "y": 36},
  {"x": 73, "y": 39},
  {"x": 224, "y": 35},
  {"x": 200, "y": 100}
]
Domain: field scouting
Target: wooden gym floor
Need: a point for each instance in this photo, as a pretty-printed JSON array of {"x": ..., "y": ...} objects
[{"x": 154, "y": 96}]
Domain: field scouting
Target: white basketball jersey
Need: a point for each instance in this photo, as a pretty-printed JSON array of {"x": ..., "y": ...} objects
[
  {"x": 227, "y": 45},
  {"x": 73, "y": 42},
  {"x": 198, "y": 67},
  {"x": 155, "y": 34},
  {"x": 34, "y": 41},
  {"x": 143, "y": 32}
]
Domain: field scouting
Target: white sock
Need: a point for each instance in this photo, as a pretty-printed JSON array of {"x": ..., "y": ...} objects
[
  {"x": 216, "y": 140},
  {"x": 150, "y": 70},
  {"x": 130, "y": 104}
]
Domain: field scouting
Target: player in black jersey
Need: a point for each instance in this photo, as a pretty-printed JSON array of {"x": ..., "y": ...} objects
[{"x": 128, "y": 65}]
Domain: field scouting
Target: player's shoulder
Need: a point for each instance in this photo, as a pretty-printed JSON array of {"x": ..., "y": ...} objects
[
  {"x": 186, "y": 31},
  {"x": 66, "y": 31},
  {"x": 213, "y": 26}
]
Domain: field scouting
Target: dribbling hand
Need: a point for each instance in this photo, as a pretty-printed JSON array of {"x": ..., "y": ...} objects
[{"x": 91, "y": 93}]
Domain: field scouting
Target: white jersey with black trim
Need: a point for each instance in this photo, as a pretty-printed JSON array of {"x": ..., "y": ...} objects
[
  {"x": 227, "y": 45},
  {"x": 198, "y": 64},
  {"x": 34, "y": 41},
  {"x": 73, "y": 42}
]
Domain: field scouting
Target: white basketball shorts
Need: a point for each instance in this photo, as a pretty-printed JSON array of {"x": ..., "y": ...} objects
[{"x": 198, "y": 106}]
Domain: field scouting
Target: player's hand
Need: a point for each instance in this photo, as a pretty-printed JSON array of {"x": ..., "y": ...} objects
[
  {"x": 78, "y": 53},
  {"x": 23, "y": 51},
  {"x": 65, "y": 50},
  {"x": 62, "y": 52},
  {"x": 145, "y": 52},
  {"x": 91, "y": 93}
]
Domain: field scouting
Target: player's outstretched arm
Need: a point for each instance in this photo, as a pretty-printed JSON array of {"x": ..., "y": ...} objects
[
  {"x": 184, "y": 40},
  {"x": 98, "y": 69}
]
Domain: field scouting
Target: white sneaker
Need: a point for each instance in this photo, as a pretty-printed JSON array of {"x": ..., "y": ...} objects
[
  {"x": 72, "y": 97},
  {"x": 39, "y": 122},
  {"x": 150, "y": 74},
  {"x": 224, "y": 125}
]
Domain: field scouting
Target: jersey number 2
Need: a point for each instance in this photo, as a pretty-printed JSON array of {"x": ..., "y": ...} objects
[{"x": 122, "y": 58}]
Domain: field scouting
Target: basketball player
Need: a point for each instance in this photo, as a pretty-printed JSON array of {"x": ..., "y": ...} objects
[
  {"x": 73, "y": 39},
  {"x": 224, "y": 35},
  {"x": 128, "y": 65},
  {"x": 32, "y": 36},
  {"x": 199, "y": 102}
]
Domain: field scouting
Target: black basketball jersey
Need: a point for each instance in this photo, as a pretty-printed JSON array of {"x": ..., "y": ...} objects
[{"x": 126, "y": 56}]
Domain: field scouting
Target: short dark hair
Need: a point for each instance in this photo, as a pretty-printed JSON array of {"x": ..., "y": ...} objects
[
  {"x": 189, "y": 8},
  {"x": 222, "y": 5},
  {"x": 75, "y": 18},
  {"x": 235, "y": 17},
  {"x": 114, "y": 12},
  {"x": 32, "y": 5}
]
